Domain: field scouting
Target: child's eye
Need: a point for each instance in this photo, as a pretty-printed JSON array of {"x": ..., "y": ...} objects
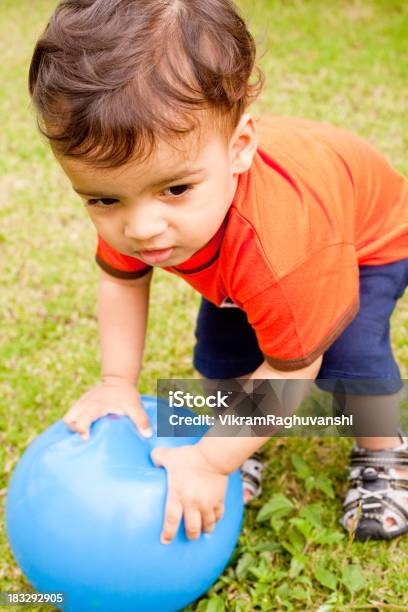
[
  {"x": 103, "y": 202},
  {"x": 179, "y": 190}
]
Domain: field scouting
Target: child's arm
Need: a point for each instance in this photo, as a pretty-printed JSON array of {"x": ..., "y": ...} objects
[
  {"x": 206, "y": 465},
  {"x": 233, "y": 451},
  {"x": 122, "y": 318}
]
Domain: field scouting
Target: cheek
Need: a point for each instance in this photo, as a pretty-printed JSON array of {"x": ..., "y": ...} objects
[
  {"x": 92, "y": 216},
  {"x": 101, "y": 228},
  {"x": 104, "y": 223}
]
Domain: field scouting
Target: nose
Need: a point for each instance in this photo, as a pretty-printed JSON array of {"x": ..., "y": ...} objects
[{"x": 144, "y": 222}]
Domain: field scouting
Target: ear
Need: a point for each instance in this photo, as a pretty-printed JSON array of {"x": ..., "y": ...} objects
[{"x": 243, "y": 145}]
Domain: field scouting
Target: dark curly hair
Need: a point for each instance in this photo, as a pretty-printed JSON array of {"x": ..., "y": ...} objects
[{"x": 110, "y": 77}]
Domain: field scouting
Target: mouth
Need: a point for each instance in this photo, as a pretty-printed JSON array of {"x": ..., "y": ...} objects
[{"x": 156, "y": 255}]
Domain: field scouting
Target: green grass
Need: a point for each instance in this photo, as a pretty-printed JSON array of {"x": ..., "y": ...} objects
[{"x": 338, "y": 61}]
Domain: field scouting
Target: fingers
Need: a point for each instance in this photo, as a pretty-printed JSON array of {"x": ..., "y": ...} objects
[
  {"x": 172, "y": 518},
  {"x": 208, "y": 521},
  {"x": 141, "y": 420},
  {"x": 158, "y": 456},
  {"x": 83, "y": 424},
  {"x": 192, "y": 523},
  {"x": 78, "y": 420},
  {"x": 198, "y": 517},
  {"x": 211, "y": 518},
  {"x": 219, "y": 512},
  {"x": 104, "y": 398}
]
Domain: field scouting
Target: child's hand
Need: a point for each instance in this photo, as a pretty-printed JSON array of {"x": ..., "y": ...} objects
[
  {"x": 196, "y": 490},
  {"x": 112, "y": 395}
]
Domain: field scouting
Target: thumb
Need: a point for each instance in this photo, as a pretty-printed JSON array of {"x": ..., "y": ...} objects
[{"x": 158, "y": 456}]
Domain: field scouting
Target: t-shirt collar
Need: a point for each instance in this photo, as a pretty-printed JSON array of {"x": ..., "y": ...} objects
[{"x": 204, "y": 257}]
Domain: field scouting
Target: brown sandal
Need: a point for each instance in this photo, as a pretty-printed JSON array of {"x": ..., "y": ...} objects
[{"x": 377, "y": 500}]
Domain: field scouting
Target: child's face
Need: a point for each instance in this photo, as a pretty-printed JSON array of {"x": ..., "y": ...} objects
[{"x": 138, "y": 207}]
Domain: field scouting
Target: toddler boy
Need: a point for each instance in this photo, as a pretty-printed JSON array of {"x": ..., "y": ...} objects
[{"x": 294, "y": 232}]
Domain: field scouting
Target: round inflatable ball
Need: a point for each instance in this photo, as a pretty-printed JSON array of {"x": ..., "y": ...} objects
[{"x": 84, "y": 519}]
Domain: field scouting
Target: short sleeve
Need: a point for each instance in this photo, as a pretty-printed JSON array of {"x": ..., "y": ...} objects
[
  {"x": 299, "y": 316},
  {"x": 119, "y": 265},
  {"x": 381, "y": 200}
]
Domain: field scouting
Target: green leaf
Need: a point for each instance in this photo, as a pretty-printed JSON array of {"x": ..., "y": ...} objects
[
  {"x": 325, "y": 577},
  {"x": 288, "y": 546},
  {"x": 297, "y": 564},
  {"x": 353, "y": 578},
  {"x": 298, "y": 593},
  {"x": 305, "y": 528},
  {"x": 303, "y": 470},
  {"x": 304, "y": 580},
  {"x": 243, "y": 566},
  {"x": 310, "y": 483},
  {"x": 219, "y": 585},
  {"x": 277, "y": 506},
  {"x": 267, "y": 545},
  {"x": 202, "y": 605},
  {"x": 283, "y": 590},
  {"x": 329, "y": 537},
  {"x": 277, "y": 524},
  {"x": 240, "y": 606},
  {"x": 215, "y": 604},
  {"x": 325, "y": 485},
  {"x": 330, "y": 603},
  {"x": 296, "y": 539},
  {"x": 263, "y": 571},
  {"x": 313, "y": 513}
]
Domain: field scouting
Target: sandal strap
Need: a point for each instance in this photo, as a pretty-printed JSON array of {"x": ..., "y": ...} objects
[
  {"x": 390, "y": 457},
  {"x": 399, "y": 459},
  {"x": 358, "y": 476},
  {"x": 251, "y": 472},
  {"x": 369, "y": 500},
  {"x": 377, "y": 491},
  {"x": 378, "y": 512}
]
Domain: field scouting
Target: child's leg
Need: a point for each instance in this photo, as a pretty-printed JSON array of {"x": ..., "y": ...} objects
[
  {"x": 227, "y": 348},
  {"x": 226, "y": 344},
  {"x": 359, "y": 368},
  {"x": 364, "y": 408},
  {"x": 376, "y": 418}
]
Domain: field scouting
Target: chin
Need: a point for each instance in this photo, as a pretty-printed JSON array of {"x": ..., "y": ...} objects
[
  {"x": 173, "y": 261},
  {"x": 177, "y": 259}
]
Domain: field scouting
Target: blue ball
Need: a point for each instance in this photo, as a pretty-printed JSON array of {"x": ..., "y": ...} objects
[{"x": 84, "y": 518}]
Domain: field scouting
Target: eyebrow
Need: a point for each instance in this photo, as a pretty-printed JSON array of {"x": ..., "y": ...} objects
[{"x": 162, "y": 181}]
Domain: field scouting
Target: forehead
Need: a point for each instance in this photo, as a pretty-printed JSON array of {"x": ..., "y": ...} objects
[{"x": 186, "y": 152}]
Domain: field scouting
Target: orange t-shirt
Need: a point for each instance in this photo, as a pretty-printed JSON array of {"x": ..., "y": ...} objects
[{"x": 317, "y": 203}]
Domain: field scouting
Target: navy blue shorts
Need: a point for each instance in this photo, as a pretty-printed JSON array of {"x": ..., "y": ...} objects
[{"x": 360, "y": 361}]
